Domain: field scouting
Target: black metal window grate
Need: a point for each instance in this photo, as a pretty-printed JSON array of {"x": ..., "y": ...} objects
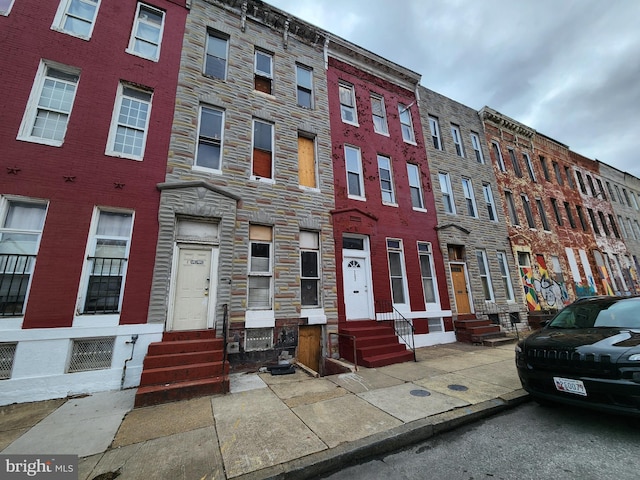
[
  {"x": 15, "y": 271},
  {"x": 7, "y": 354},
  {"x": 91, "y": 354},
  {"x": 105, "y": 285},
  {"x": 258, "y": 339}
]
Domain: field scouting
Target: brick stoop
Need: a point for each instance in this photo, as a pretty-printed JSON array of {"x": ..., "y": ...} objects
[
  {"x": 376, "y": 344},
  {"x": 470, "y": 329},
  {"x": 183, "y": 365}
]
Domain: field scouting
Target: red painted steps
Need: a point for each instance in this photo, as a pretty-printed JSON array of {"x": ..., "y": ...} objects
[
  {"x": 183, "y": 365},
  {"x": 376, "y": 344},
  {"x": 470, "y": 329}
]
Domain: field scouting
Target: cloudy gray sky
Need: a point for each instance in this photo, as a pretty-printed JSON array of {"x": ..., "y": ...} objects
[{"x": 568, "y": 68}]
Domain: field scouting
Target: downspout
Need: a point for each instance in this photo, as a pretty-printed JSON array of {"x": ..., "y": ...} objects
[{"x": 134, "y": 339}]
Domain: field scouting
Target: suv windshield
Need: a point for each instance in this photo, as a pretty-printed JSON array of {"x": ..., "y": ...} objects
[{"x": 616, "y": 312}]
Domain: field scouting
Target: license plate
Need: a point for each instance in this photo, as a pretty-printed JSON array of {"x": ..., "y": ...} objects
[{"x": 570, "y": 386}]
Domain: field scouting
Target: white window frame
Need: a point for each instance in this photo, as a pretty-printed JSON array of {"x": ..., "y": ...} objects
[
  {"x": 310, "y": 244},
  {"x": 470, "y": 198},
  {"x": 253, "y": 176},
  {"x": 632, "y": 233},
  {"x": 457, "y": 140},
  {"x": 115, "y": 121},
  {"x": 485, "y": 277},
  {"x": 352, "y": 169},
  {"x": 258, "y": 73},
  {"x": 91, "y": 256},
  {"x": 527, "y": 161},
  {"x": 63, "y": 14},
  {"x": 139, "y": 21},
  {"x": 506, "y": 276},
  {"x": 304, "y": 88},
  {"x": 490, "y": 201},
  {"x": 30, "y": 117},
  {"x": 268, "y": 273},
  {"x": 345, "y": 107},
  {"x": 635, "y": 201},
  {"x": 27, "y": 266},
  {"x": 447, "y": 193},
  {"x": 500, "y": 160},
  {"x": 223, "y": 38},
  {"x": 428, "y": 281},
  {"x": 406, "y": 123},
  {"x": 386, "y": 176},
  {"x": 7, "y": 10},
  {"x": 397, "y": 250},
  {"x": 637, "y": 229},
  {"x": 381, "y": 125},
  {"x": 414, "y": 176},
  {"x": 623, "y": 229},
  {"x": 477, "y": 147},
  {"x": 216, "y": 141},
  {"x": 436, "y": 139}
]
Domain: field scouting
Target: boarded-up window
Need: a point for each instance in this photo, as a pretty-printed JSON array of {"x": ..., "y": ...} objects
[
  {"x": 262, "y": 149},
  {"x": 306, "y": 162}
]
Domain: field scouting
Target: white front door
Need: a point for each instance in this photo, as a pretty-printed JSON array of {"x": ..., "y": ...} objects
[
  {"x": 358, "y": 299},
  {"x": 194, "y": 292}
]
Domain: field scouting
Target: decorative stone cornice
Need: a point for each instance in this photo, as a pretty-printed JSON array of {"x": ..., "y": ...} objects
[
  {"x": 507, "y": 123},
  {"x": 197, "y": 184},
  {"x": 453, "y": 225}
]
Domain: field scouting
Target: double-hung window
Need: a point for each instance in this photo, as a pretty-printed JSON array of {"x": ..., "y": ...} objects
[
  {"x": 355, "y": 182},
  {"x": 527, "y": 211},
  {"x": 130, "y": 122},
  {"x": 76, "y": 17},
  {"x": 5, "y": 6},
  {"x": 262, "y": 166},
  {"x": 209, "y": 154},
  {"x": 543, "y": 214},
  {"x": 348, "y": 104},
  {"x": 22, "y": 224},
  {"x": 434, "y": 126},
  {"x": 386, "y": 180},
  {"x": 146, "y": 35},
  {"x": 485, "y": 278},
  {"x": 304, "y": 86},
  {"x": 260, "y": 267},
  {"x": 415, "y": 186},
  {"x": 504, "y": 274},
  {"x": 406, "y": 124},
  {"x": 477, "y": 147},
  {"x": 447, "y": 193},
  {"x": 307, "y": 161},
  {"x": 469, "y": 197},
  {"x": 379, "y": 114},
  {"x": 491, "y": 204},
  {"x": 49, "y": 108},
  {"x": 217, "y": 52},
  {"x": 309, "y": 269},
  {"x": 457, "y": 139},
  {"x": 107, "y": 262},
  {"x": 632, "y": 232},
  {"x": 511, "y": 207},
  {"x": 498, "y": 154},
  {"x": 618, "y": 194},
  {"x": 623, "y": 229},
  {"x": 397, "y": 271},
  {"x": 426, "y": 270},
  {"x": 263, "y": 72},
  {"x": 529, "y": 165}
]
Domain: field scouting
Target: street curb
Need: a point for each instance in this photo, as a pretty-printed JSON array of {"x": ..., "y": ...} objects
[{"x": 349, "y": 453}]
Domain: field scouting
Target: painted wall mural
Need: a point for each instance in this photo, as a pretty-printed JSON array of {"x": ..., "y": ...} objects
[{"x": 542, "y": 290}]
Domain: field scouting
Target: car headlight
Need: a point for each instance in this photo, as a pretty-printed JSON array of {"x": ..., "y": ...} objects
[{"x": 635, "y": 357}]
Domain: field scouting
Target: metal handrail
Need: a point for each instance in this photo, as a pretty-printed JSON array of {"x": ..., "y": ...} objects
[
  {"x": 402, "y": 326},
  {"x": 225, "y": 317},
  {"x": 353, "y": 338}
]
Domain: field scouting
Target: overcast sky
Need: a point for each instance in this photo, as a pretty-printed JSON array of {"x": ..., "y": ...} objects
[{"x": 570, "y": 69}]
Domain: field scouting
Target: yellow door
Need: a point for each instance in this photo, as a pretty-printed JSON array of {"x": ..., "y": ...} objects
[{"x": 458, "y": 278}]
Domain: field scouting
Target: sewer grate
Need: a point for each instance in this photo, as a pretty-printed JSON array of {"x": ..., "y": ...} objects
[
  {"x": 458, "y": 388},
  {"x": 420, "y": 393}
]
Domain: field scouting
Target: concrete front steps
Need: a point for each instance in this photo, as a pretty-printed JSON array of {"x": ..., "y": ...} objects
[
  {"x": 376, "y": 344},
  {"x": 183, "y": 365},
  {"x": 470, "y": 329}
]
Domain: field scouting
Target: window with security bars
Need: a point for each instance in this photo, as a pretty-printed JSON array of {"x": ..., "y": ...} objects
[
  {"x": 21, "y": 226},
  {"x": 91, "y": 354},
  {"x": 107, "y": 262},
  {"x": 258, "y": 339},
  {"x": 7, "y": 354}
]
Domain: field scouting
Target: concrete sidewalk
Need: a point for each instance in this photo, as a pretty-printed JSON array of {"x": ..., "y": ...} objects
[{"x": 289, "y": 426}]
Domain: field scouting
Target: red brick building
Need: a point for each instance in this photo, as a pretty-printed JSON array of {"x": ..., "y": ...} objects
[
  {"x": 86, "y": 120},
  {"x": 388, "y": 258}
]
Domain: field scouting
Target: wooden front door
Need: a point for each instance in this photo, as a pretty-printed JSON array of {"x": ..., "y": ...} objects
[
  {"x": 460, "y": 291},
  {"x": 310, "y": 346}
]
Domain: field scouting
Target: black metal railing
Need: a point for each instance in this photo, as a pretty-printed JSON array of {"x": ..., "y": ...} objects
[
  {"x": 403, "y": 327},
  {"x": 105, "y": 285},
  {"x": 15, "y": 272},
  {"x": 225, "y": 321}
]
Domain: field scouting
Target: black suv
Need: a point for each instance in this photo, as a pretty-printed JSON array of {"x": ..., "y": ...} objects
[{"x": 588, "y": 354}]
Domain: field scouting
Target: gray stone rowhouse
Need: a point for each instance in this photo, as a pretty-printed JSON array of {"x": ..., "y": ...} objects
[
  {"x": 623, "y": 191},
  {"x": 466, "y": 229},
  {"x": 213, "y": 209}
]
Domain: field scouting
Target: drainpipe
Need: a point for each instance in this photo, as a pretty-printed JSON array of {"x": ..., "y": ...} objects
[{"x": 134, "y": 339}]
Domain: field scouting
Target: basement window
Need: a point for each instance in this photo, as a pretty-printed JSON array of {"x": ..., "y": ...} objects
[
  {"x": 91, "y": 354},
  {"x": 257, "y": 339},
  {"x": 7, "y": 354}
]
